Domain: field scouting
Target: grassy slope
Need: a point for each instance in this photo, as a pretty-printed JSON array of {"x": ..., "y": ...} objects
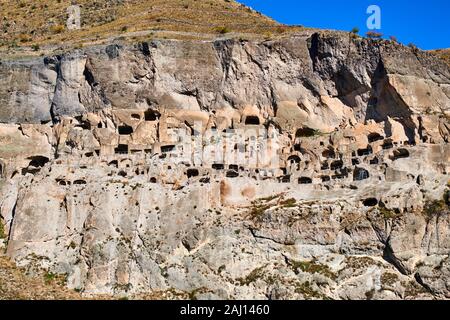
[
  {"x": 28, "y": 25},
  {"x": 443, "y": 54},
  {"x": 29, "y": 22}
]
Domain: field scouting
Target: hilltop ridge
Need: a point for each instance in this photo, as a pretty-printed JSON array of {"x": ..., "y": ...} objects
[{"x": 27, "y": 24}]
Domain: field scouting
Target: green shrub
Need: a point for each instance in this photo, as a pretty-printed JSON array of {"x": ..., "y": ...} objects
[
  {"x": 49, "y": 277},
  {"x": 252, "y": 276},
  {"x": 222, "y": 30},
  {"x": 289, "y": 203},
  {"x": 387, "y": 213},
  {"x": 436, "y": 207},
  {"x": 2, "y": 231},
  {"x": 311, "y": 267}
]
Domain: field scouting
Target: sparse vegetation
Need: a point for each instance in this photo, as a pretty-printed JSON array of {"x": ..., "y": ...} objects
[
  {"x": 16, "y": 285},
  {"x": 57, "y": 29},
  {"x": 289, "y": 203},
  {"x": 443, "y": 54},
  {"x": 270, "y": 198},
  {"x": 312, "y": 267},
  {"x": 193, "y": 294},
  {"x": 44, "y": 22},
  {"x": 222, "y": 30},
  {"x": 413, "y": 289},
  {"x": 374, "y": 35},
  {"x": 251, "y": 277},
  {"x": 388, "y": 214},
  {"x": 49, "y": 277},
  {"x": 258, "y": 209},
  {"x": 362, "y": 262},
  {"x": 2, "y": 231},
  {"x": 393, "y": 39},
  {"x": 308, "y": 292},
  {"x": 260, "y": 206},
  {"x": 389, "y": 279},
  {"x": 435, "y": 208}
]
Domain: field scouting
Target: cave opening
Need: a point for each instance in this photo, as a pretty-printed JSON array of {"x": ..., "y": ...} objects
[
  {"x": 335, "y": 165},
  {"x": 218, "y": 166},
  {"x": 294, "y": 159},
  {"x": 304, "y": 180},
  {"x": 400, "y": 154},
  {"x": 232, "y": 174},
  {"x": 125, "y": 130},
  {"x": 151, "y": 115},
  {"x": 374, "y": 137},
  {"x": 370, "y": 202},
  {"x": 38, "y": 161},
  {"x": 360, "y": 174},
  {"x": 121, "y": 149},
  {"x": 167, "y": 149},
  {"x": 191, "y": 173},
  {"x": 387, "y": 144},
  {"x": 365, "y": 152},
  {"x": 252, "y": 120},
  {"x": 285, "y": 179},
  {"x": 329, "y": 154}
]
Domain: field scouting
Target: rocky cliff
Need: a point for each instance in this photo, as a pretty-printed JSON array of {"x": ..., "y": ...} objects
[{"x": 98, "y": 186}]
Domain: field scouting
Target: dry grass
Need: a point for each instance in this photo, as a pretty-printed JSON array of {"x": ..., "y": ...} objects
[
  {"x": 443, "y": 54},
  {"x": 25, "y": 23},
  {"x": 16, "y": 285}
]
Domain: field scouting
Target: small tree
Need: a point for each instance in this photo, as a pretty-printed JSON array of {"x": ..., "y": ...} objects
[
  {"x": 355, "y": 30},
  {"x": 222, "y": 30}
]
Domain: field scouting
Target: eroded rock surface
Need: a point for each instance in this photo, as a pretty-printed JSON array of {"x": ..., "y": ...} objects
[{"x": 98, "y": 185}]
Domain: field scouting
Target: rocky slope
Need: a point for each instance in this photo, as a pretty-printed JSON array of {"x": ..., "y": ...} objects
[
  {"x": 443, "y": 54},
  {"x": 30, "y": 28},
  {"x": 97, "y": 185},
  {"x": 16, "y": 285}
]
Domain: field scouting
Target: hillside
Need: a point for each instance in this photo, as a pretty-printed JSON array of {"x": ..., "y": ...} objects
[
  {"x": 443, "y": 54},
  {"x": 161, "y": 154},
  {"x": 31, "y": 24},
  {"x": 16, "y": 285}
]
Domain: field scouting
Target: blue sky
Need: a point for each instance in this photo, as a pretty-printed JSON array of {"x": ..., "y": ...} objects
[{"x": 424, "y": 23}]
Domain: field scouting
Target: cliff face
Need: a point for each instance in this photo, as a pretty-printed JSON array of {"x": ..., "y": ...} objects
[
  {"x": 97, "y": 185},
  {"x": 363, "y": 74}
]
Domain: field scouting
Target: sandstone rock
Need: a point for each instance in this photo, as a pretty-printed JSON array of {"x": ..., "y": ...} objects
[{"x": 151, "y": 175}]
